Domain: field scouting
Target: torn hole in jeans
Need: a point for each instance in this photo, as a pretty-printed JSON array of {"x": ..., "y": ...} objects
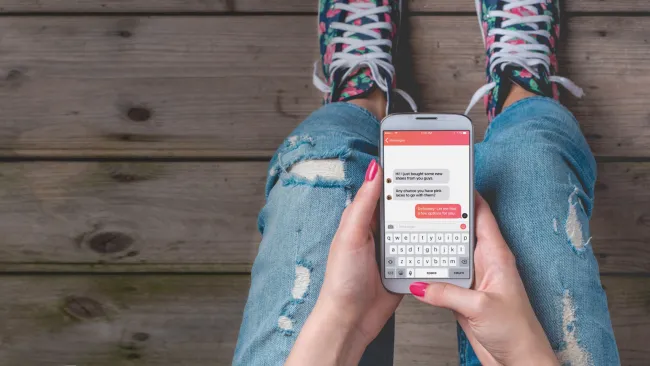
[
  {"x": 571, "y": 352},
  {"x": 574, "y": 226},
  {"x": 330, "y": 169}
]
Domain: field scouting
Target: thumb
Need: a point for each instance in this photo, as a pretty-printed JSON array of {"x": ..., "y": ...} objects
[{"x": 461, "y": 300}]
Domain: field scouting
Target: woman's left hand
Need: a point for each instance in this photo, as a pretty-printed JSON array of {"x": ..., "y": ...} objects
[{"x": 353, "y": 305}]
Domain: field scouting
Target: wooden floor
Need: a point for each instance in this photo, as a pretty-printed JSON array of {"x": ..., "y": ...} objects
[{"x": 134, "y": 139}]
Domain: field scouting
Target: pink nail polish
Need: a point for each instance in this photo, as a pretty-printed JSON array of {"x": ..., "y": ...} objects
[
  {"x": 372, "y": 170},
  {"x": 418, "y": 288}
]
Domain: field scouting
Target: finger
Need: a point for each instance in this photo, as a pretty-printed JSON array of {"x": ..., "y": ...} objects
[
  {"x": 461, "y": 300},
  {"x": 359, "y": 214}
]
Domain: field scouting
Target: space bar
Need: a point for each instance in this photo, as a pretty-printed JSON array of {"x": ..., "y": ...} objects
[{"x": 431, "y": 273}]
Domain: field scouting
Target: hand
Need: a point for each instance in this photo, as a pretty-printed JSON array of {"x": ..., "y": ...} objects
[
  {"x": 496, "y": 315},
  {"x": 353, "y": 305}
]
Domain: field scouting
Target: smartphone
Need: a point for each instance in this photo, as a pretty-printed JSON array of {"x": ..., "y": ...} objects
[{"x": 427, "y": 208}]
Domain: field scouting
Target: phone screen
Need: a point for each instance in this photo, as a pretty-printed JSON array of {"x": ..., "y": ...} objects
[{"x": 427, "y": 200}]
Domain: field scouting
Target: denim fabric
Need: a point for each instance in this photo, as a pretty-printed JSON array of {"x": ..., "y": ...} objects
[{"x": 534, "y": 168}]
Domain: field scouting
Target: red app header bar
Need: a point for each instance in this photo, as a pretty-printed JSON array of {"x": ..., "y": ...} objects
[{"x": 420, "y": 138}]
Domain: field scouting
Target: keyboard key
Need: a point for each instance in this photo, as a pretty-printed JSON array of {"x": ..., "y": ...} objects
[
  {"x": 432, "y": 273},
  {"x": 418, "y": 249},
  {"x": 465, "y": 238},
  {"x": 389, "y": 238},
  {"x": 418, "y": 261},
  {"x": 415, "y": 238},
  {"x": 448, "y": 238},
  {"x": 444, "y": 249},
  {"x": 401, "y": 249},
  {"x": 452, "y": 249},
  {"x": 410, "y": 249},
  {"x": 463, "y": 261},
  {"x": 423, "y": 238},
  {"x": 397, "y": 238},
  {"x": 390, "y": 262},
  {"x": 410, "y": 273},
  {"x": 426, "y": 249},
  {"x": 444, "y": 262},
  {"x": 406, "y": 238},
  {"x": 459, "y": 273},
  {"x": 435, "y": 249},
  {"x": 453, "y": 261},
  {"x": 461, "y": 249},
  {"x": 456, "y": 237},
  {"x": 410, "y": 261},
  {"x": 392, "y": 250},
  {"x": 427, "y": 262},
  {"x": 431, "y": 238},
  {"x": 435, "y": 261},
  {"x": 390, "y": 272},
  {"x": 401, "y": 261},
  {"x": 401, "y": 273},
  {"x": 440, "y": 238}
]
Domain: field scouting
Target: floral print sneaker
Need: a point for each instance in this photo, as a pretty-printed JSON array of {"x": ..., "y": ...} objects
[
  {"x": 356, "y": 45},
  {"x": 520, "y": 38}
]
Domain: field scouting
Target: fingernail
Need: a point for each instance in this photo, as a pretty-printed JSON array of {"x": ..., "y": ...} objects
[
  {"x": 418, "y": 288},
  {"x": 372, "y": 170}
]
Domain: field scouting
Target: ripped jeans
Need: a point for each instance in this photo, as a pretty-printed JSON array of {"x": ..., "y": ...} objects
[{"x": 535, "y": 169}]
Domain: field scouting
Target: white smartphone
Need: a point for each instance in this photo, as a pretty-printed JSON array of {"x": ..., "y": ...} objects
[{"x": 427, "y": 208}]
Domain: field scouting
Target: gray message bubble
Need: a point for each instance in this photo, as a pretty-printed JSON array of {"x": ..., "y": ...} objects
[
  {"x": 419, "y": 176},
  {"x": 431, "y": 193}
]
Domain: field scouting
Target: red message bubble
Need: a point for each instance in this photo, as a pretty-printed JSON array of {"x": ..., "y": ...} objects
[{"x": 431, "y": 211}]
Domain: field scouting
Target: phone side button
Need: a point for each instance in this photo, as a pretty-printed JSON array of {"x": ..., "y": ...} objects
[{"x": 390, "y": 272}]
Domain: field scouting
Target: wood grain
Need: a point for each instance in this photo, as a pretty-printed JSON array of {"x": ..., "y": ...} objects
[
  {"x": 236, "y": 86},
  {"x": 180, "y": 6},
  {"x": 199, "y": 217},
  {"x": 194, "y": 320}
]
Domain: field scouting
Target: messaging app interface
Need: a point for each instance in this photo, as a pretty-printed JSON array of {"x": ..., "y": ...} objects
[{"x": 426, "y": 204}]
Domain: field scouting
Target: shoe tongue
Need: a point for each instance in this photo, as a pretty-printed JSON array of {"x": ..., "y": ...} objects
[
  {"x": 360, "y": 82},
  {"x": 520, "y": 75},
  {"x": 385, "y": 34}
]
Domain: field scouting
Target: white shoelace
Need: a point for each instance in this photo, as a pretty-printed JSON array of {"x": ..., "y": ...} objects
[
  {"x": 528, "y": 55},
  {"x": 375, "y": 60}
]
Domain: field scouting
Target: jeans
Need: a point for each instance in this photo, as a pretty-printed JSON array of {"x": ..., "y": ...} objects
[{"x": 535, "y": 169}]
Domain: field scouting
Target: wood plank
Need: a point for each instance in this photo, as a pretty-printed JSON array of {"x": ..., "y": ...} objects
[
  {"x": 194, "y": 320},
  {"x": 236, "y": 86},
  {"x": 93, "y": 213},
  {"x": 198, "y": 217},
  {"x": 180, "y": 6}
]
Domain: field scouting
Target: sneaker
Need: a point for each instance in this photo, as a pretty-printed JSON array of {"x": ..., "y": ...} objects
[
  {"x": 520, "y": 37},
  {"x": 357, "y": 39}
]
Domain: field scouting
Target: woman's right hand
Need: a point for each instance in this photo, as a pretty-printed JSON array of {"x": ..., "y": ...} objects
[{"x": 496, "y": 314}]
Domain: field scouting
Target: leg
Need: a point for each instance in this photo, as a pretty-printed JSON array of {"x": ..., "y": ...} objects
[
  {"x": 312, "y": 178},
  {"x": 536, "y": 170}
]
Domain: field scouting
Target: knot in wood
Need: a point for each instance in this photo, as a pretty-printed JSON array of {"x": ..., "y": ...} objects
[
  {"x": 83, "y": 308},
  {"x": 110, "y": 242}
]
